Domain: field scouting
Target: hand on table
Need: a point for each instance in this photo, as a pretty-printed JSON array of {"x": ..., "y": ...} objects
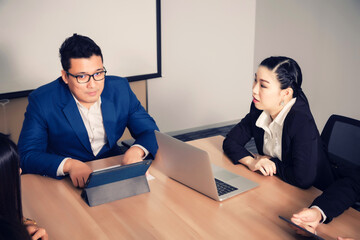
[
  {"x": 79, "y": 172},
  {"x": 133, "y": 155},
  {"x": 263, "y": 164},
  {"x": 36, "y": 232},
  {"x": 308, "y": 218}
]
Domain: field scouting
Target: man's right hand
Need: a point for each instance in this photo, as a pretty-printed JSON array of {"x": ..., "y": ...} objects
[
  {"x": 308, "y": 218},
  {"x": 79, "y": 172}
]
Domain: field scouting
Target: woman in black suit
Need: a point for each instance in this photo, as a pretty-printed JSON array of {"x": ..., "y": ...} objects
[{"x": 283, "y": 127}]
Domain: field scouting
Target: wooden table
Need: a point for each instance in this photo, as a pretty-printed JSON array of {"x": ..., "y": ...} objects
[{"x": 173, "y": 211}]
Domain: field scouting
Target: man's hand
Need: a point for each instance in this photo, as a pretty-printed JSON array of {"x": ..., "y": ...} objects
[
  {"x": 263, "y": 164},
  {"x": 133, "y": 155},
  {"x": 308, "y": 218},
  {"x": 79, "y": 172}
]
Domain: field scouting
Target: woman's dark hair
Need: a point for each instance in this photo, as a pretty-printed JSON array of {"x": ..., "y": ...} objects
[
  {"x": 288, "y": 73},
  {"x": 77, "y": 46},
  {"x": 10, "y": 194},
  {"x": 14, "y": 230}
]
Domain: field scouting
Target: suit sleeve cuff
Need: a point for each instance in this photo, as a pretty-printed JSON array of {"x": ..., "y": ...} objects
[
  {"x": 146, "y": 152},
  {"x": 60, "y": 170},
  {"x": 322, "y": 213}
]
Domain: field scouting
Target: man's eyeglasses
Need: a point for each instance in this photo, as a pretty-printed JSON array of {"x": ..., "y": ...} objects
[{"x": 85, "y": 78}]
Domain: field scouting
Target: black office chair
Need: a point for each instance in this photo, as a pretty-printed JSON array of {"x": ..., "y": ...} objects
[{"x": 341, "y": 138}]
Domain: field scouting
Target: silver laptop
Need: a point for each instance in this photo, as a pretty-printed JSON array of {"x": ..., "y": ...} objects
[{"x": 191, "y": 166}]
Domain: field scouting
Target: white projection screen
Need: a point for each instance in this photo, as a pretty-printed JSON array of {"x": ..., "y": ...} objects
[{"x": 31, "y": 32}]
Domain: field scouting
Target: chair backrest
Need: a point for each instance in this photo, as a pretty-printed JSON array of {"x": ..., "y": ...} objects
[{"x": 341, "y": 137}]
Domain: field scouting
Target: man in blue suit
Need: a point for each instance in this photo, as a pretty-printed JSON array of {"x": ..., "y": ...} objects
[{"x": 80, "y": 117}]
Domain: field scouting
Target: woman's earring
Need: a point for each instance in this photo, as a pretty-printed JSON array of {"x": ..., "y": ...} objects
[{"x": 282, "y": 103}]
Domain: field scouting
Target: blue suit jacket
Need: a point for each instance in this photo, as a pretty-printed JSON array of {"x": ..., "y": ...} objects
[
  {"x": 304, "y": 162},
  {"x": 53, "y": 128}
]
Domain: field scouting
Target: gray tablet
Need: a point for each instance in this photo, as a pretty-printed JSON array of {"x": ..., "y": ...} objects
[
  {"x": 116, "y": 182},
  {"x": 303, "y": 230}
]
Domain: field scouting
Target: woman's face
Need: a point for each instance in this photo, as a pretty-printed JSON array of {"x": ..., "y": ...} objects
[{"x": 267, "y": 94}]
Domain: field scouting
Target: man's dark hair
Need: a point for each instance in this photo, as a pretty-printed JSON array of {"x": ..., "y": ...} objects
[{"x": 77, "y": 46}]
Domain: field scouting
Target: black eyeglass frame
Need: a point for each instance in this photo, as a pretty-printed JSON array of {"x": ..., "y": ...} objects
[{"x": 92, "y": 75}]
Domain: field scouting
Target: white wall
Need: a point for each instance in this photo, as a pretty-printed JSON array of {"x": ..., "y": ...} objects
[
  {"x": 210, "y": 55},
  {"x": 207, "y": 50},
  {"x": 323, "y": 36},
  {"x": 210, "y": 48},
  {"x": 32, "y": 32}
]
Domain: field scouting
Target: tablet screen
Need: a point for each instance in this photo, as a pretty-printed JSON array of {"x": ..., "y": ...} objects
[{"x": 117, "y": 173}]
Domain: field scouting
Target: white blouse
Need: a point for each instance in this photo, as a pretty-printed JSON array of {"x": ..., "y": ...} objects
[{"x": 273, "y": 130}]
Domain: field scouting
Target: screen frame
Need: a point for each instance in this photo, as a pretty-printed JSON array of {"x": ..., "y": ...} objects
[{"x": 158, "y": 74}]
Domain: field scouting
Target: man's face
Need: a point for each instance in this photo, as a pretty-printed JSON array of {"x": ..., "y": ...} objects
[{"x": 86, "y": 93}]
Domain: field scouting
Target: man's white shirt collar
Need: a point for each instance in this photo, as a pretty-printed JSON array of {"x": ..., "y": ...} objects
[{"x": 96, "y": 105}]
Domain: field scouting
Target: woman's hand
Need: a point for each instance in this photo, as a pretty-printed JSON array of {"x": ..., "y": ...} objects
[
  {"x": 260, "y": 163},
  {"x": 34, "y": 231}
]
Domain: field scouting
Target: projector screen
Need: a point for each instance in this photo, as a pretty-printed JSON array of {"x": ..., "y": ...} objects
[{"x": 127, "y": 31}]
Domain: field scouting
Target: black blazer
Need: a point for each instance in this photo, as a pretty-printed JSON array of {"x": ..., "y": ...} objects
[
  {"x": 341, "y": 195},
  {"x": 304, "y": 162}
]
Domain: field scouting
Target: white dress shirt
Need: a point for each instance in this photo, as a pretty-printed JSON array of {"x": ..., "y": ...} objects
[
  {"x": 93, "y": 121},
  {"x": 273, "y": 130}
]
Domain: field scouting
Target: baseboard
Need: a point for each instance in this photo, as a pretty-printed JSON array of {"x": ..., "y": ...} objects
[
  {"x": 189, "y": 130},
  {"x": 216, "y": 125}
]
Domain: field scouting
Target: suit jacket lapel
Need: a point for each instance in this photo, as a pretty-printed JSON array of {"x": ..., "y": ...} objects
[
  {"x": 109, "y": 120},
  {"x": 73, "y": 116}
]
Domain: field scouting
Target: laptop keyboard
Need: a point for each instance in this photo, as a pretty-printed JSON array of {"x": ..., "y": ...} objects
[{"x": 223, "y": 188}]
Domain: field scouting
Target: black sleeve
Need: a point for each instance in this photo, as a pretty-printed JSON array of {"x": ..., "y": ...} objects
[
  {"x": 341, "y": 195},
  {"x": 234, "y": 143}
]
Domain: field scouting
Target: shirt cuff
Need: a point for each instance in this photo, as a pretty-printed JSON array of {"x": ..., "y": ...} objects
[
  {"x": 146, "y": 152},
  {"x": 60, "y": 170},
  {"x": 322, "y": 213}
]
